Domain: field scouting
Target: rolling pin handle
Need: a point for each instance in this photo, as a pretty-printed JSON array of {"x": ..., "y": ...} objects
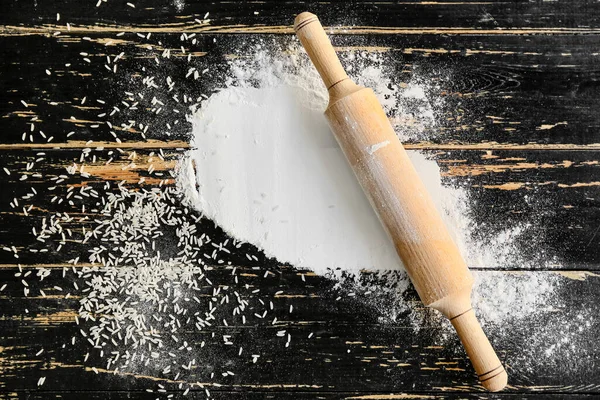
[
  {"x": 314, "y": 39},
  {"x": 489, "y": 369}
]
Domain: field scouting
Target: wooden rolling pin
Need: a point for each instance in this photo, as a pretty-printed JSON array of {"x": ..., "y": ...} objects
[{"x": 404, "y": 207}]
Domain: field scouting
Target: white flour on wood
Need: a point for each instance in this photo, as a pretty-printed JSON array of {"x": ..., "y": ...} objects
[{"x": 270, "y": 172}]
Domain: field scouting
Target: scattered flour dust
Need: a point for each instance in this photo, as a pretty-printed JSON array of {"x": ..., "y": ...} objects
[{"x": 269, "y": 172}]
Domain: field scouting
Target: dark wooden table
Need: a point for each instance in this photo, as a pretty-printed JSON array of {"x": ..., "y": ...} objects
[{"x": 521, "y": 82}]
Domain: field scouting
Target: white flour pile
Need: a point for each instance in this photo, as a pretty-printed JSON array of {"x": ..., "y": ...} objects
[{"x": 268, "y": 171}]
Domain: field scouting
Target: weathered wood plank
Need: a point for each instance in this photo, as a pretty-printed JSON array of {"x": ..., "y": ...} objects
[
  {"x": 291, "y": 395},
  {"x": 182, "y": 145},
  {"x": 356, "y": 345},
  {"x": 552, "y": 197},
  {"x": 491, "y": 15},
  {"x": 483, "y": 86}
]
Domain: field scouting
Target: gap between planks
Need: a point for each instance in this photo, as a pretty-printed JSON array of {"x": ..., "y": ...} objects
[
  {"x": 566, "y": 272},
  {"x": 180, "y": 145},
  {"x": 192, "y": 27}
]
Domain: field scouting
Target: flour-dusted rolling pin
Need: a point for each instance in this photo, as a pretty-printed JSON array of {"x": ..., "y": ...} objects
[{"x": 402, "y": 203}]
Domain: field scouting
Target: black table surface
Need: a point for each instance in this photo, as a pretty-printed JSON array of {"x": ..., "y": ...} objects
[{"x": 521, "y": 134}]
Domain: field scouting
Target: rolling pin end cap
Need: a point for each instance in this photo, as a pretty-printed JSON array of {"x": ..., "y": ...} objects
[
  {"x": 304, "y": 19},
  {"x": 496, "y": 383}
]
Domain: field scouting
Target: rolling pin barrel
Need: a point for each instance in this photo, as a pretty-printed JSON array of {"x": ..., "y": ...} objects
[{"x": 407, "y": 212}]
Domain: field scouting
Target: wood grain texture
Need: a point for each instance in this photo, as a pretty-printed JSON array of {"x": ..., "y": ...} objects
[
  {"x": 518, "y": 128},
  {"x": 256, "y": 394},
  {"x": 350, "y": 351},
  {"x": 486, "y": 84},
  {"x": 551, "y": 192},
  {"x": 493, "y": 15}
]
